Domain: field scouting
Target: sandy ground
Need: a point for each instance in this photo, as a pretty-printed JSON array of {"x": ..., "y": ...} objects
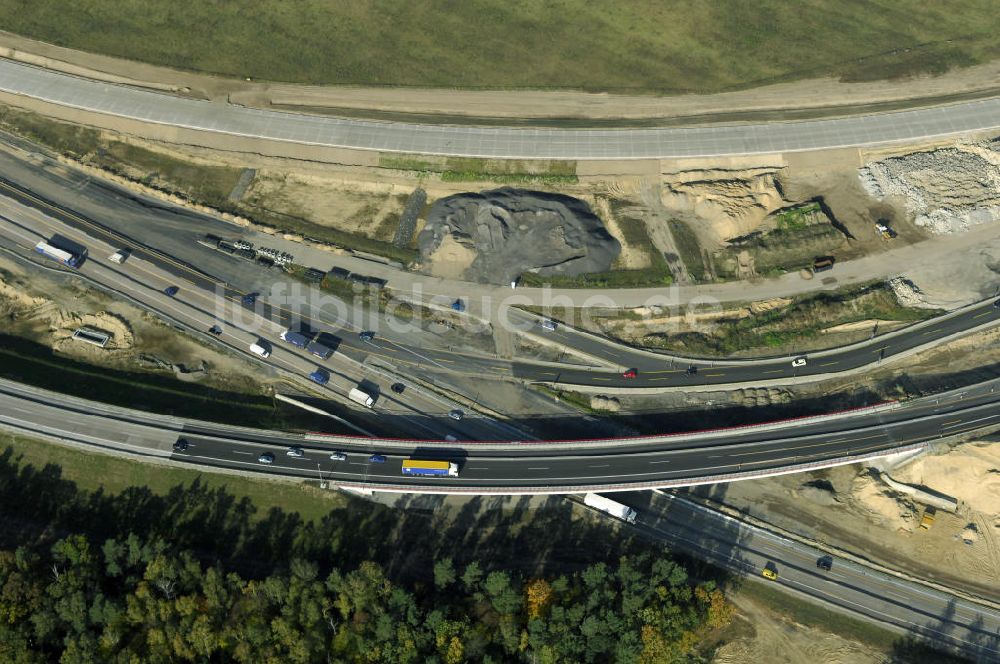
[
  {"x": 816, "y": 94},
  {"x": 849, "y": 508},
  {"x": 451, "y": 259},
  {"x": 631, "y": 257},
  {"x": 351, "y": 205},
  {"x": 48, "y": 309},
  {"x": 779, "y": 640}
]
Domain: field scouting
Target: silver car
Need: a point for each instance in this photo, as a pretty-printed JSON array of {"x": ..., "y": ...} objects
[
  {"x": 456, "y": 414},
  {"x": 338, "y": 456},
  {"x": 295, "y": 452}
]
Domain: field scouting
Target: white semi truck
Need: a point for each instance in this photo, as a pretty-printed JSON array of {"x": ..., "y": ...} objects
[
  {"x": 608, "y": 506},
  {"x": 358, "y": 395}
]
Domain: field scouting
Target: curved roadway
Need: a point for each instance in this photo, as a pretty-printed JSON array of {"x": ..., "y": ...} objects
[
  {"x": 520, "y": 467},
  {"x": 161, "y": 240},
  {"x": 512, "y": 143}
]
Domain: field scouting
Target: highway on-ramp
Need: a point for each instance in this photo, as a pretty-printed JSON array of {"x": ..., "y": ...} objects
[
  {"x": 158, "y": 244},
  {"x": 494, "y": 142}
]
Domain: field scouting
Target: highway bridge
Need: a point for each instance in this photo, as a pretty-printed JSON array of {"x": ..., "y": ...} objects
[
  {"x": 492, "y": 142},
  {"x": 519, "y": 466}
]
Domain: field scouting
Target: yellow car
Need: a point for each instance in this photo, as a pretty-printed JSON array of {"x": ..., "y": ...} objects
[{"x": 770, "y": 572}]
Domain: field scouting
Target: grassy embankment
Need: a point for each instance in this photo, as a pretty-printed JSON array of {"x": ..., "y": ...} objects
[
  {"x": 500, "y": 171},
  {"x": 91, "y": 471},
  {"x": 34, "y": 364},
  {"x": 645, "y": 46},
  {"x": 804, "y": 318},
  {"x": 201, "y": 183}
]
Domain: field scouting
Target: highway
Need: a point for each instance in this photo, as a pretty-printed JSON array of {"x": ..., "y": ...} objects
[
  {"x": 534, "y": 467},
  {"x": 492, "y": 142},
  {"x": 949, "y": 621},
  {"x": 168, "y": 240},
  {"x": 200, "y": 306}
]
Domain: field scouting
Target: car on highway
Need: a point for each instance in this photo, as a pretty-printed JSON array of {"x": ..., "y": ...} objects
[
  {"x": 770, "y": 571},
  {"x": 456, "y": 414},
  {"x": 266, "y": 458},
  {"x": 249, "y": 299},
  {"x": 338, "y": 456},
  {"x": 825, "y": 563},
  {"x": 799, "y": 362},
  {"x": 295, "y": 451},
  {"x": 548, "y": 324},
  {"x": 367, "y": 335},
  {"x": 691, "y": 370},
  {"x": 997, "y": 304},
  {"x": 261, "y": 348},
  {"x": 376, "y": 458},
  {"x": 120, "y": 256},
  {"x": 320, "y": 376},
  {"x": 630, "y": 373},
  {"x": 397, "y": 388},
  {"x": 171, "y": 290},
  {"x": 180, "y": 445},
  {"x": 216, "y": 330}
]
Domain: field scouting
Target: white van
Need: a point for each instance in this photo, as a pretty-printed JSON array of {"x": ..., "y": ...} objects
[{"x": 260, "y": 348}]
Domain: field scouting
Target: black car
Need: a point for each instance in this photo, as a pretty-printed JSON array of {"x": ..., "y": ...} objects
[
  {"x": 171, "y": 290},
  {"x": 367, "y": 335},
  {"x": 180, "y": 445},
  {"x": 250, "y": 299},
  {"x": 397, "y": 388},
  {"x": 997, "y": 304},
  {"x": 825, "y": 563},
  {"x": 692, "y": 370},
  {"x": 216, "y": 330}
]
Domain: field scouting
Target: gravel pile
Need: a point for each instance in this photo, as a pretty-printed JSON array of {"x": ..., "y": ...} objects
[
  {"x": 513, "y": 231},
  {"x": 946, "y": 190}
]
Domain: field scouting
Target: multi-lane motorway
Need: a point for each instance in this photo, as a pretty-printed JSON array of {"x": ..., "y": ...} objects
[
  {"x": 952, "y": 622},
  {"x": 167, "y": 238},
  {"x": 526, "y": 466},
  {"x": 493, "y": 142}
]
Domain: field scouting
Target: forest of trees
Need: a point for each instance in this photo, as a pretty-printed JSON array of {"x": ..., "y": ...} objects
[
  {"x": 136, "y": 577},
  {"x": 134, "y": 600}
]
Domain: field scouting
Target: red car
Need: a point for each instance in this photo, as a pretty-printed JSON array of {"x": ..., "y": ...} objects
[{"x": 630, "y": 373}]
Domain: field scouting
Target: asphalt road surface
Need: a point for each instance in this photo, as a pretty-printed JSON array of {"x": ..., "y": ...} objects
[
  {"x": 512, "y": 143},
  {"x": 531, "y": 466},
  {"x": 198, "y": 306},
  {"x": 168, "y": 239},
  {"x": 946, "y": 620}
]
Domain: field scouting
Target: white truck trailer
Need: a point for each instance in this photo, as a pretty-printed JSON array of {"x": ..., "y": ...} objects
[
  {"x": 358, "y": 395},
  {"x": 608, "y": 506}
]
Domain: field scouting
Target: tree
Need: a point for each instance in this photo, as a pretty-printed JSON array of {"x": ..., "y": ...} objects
[
  {"x": 444, "y": 573},
  {"x": 472, "y": 577},
  {"x": 538, "y": 594}
]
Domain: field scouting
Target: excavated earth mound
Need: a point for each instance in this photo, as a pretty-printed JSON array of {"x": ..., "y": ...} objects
[
  {"x": 946, "y": 190},
  {"x": 513, "y": 231}
]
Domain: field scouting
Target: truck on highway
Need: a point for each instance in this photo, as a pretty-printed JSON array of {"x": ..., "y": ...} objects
[
  {"x": 420, "y": 468},
  {"x": 357, "y": 395},
  {"x": 295, "y": 338},
  {"x": 608, "y": 506},
  {"x": 319, "y": 350},
  {"x": 55, "y": 253}
]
